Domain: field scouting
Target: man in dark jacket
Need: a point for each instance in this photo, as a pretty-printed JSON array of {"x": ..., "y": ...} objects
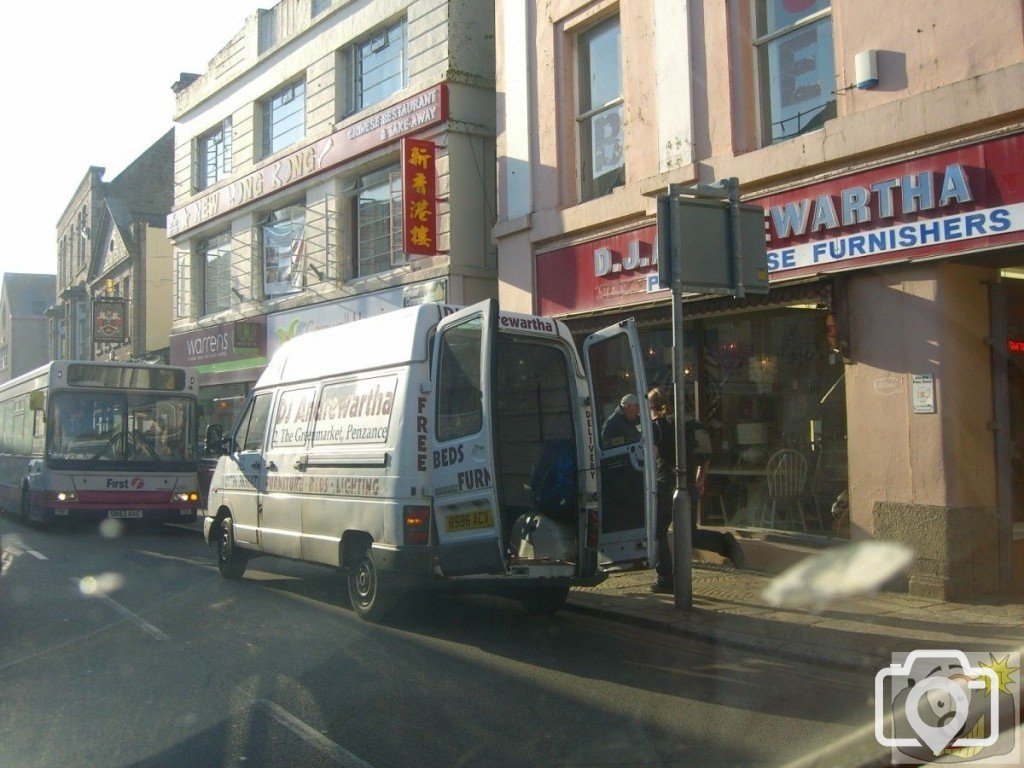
[{"x": 623, "y": 426}]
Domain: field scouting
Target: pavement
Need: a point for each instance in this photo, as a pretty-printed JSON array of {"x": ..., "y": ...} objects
[{"x": 858, "y": 633}]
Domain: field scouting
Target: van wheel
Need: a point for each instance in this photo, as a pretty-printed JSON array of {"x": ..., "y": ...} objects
[
  {"x": 545, "y": 599},
  {"x": 231, "y": 560},
  {"x": 369, "y": 601}
]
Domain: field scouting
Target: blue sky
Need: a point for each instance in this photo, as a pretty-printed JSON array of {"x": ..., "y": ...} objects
[{"x": 90, "y": 84}]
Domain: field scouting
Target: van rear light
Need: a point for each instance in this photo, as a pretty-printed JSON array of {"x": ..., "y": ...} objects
[{"x": 417, "y": 525}]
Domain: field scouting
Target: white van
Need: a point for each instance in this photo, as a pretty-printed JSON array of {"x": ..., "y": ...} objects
[{"x": 431, "y": 445}]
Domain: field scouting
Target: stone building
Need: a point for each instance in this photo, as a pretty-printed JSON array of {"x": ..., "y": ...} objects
[
  {"x": 114, "y": 263},
  {"x": 888, "y": 354},
  {"x": 290, "y": 211},
  {"x": 24, "y": 326}
]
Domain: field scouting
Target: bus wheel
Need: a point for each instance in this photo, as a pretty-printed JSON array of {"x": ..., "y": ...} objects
[
  {"x": 231, "y": 560},
  {"x": 369, "y": 601},
  {"x": 545, "y": 599}
]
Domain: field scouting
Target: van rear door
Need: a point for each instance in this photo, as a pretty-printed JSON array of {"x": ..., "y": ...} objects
[
  {"x": 466, "y": 513},
  {"x": 626, "y": 481}
]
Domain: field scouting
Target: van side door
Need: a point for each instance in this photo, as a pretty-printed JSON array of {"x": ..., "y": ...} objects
[
  {"x": 625, "y": 452},
  {"x": 285, "y": 491},
  {"x": 466, "y": 514},
  {"x": 245, "y": 475}
]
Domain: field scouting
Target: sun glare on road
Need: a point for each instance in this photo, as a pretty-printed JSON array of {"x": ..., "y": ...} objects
[{"x": 103, "y": 584}]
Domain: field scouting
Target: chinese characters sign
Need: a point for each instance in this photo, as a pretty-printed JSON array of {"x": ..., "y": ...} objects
[
  {"x": 419, "y": 197},
  {"x": 108, "y": 321}
]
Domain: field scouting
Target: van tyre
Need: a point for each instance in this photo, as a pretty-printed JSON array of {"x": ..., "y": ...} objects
[
  {"x": 231, "y": 560},
  {"x": 545, "y": 599},
  {"x": 369, "y": 601}
]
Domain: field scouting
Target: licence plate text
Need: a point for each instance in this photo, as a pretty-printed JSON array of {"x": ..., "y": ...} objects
[
  {"x": 124, "y": 513},
  {"x": 469, "y": 521}
]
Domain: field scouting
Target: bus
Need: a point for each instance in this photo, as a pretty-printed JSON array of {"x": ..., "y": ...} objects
[{"x": 100, "y": 440}]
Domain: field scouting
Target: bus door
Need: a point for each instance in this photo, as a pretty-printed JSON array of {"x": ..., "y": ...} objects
[
  {"x": 466, "y": 513},
  {"x": 626, "y": 479},
  {"x": 245, "y": 476}
]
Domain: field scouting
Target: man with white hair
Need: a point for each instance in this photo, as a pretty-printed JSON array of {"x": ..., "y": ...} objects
[{"x": 623, "y": 426}]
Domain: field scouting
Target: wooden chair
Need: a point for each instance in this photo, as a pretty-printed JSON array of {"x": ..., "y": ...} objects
[{"x": 786, "y": 477}]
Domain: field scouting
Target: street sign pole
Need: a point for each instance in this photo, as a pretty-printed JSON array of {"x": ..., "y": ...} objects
[
  {"x": 682, "y": 537},
  {"x": 688, "y": 222}
]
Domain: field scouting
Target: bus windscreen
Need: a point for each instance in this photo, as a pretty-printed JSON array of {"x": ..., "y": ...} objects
[{"x": 120, "y": 428}]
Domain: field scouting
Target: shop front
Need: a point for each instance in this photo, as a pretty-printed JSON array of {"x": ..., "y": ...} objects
[
  {"x": 229, "y": 359},
  {"x": 877, "y": 390},
  {"x": 764, "y": 374}
]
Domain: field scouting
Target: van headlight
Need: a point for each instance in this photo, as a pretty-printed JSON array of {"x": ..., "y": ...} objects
[{"x": 187, "y": 497}]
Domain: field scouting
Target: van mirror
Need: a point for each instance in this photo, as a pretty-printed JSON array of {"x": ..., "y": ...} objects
[
  {"x": 36, "y": 401},
  {"x": 215, "y": 439}
]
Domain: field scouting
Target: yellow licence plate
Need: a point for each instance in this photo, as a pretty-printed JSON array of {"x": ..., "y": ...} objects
[{"x": 469, "y": 521}]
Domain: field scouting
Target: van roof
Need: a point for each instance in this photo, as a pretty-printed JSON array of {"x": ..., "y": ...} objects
[{"x": 389, "y": 339}]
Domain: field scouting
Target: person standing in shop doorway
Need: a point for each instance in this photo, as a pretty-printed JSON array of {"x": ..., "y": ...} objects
[
  {"x": 698, "y": 452},
  {"x": 623, "y": 426}
]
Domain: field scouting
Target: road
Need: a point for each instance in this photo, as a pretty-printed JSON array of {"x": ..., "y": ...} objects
[{"x": 131, "y": 650}]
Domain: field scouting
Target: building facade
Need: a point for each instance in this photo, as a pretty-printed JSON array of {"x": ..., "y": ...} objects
[
  {"x": 24, "y": 325},
  {"x": 300, "y": 198},
  {"x": 114, "y": 263},
  {"x": 884, "y": 367}
]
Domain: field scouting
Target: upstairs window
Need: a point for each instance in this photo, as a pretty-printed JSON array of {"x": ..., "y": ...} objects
[
  {"x": 215, "y": 258},
  {"x": 213, "y": 155},
  {"x": 319, "y": 6},
  {"x": 377, "y": 67},
  {"x": 602, "y": 159},
  {"x": 283, "y": 116},
  {"x": 379, "y": 222},
  {"x": 796, "y": 69},
  {"x": 282, "y": 237}
]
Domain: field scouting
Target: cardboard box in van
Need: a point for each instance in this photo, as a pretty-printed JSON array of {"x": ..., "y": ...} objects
[{"x": 432, "y": 446}]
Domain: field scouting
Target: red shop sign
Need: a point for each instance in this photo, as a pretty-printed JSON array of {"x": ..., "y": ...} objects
[
  {"x": 610, "y": 272},
  {"x": 966, "y": 199}
]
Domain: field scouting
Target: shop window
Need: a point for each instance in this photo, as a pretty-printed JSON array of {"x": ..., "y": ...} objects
[
  {"x": 771, "y": 396},
  {"x": 283, "y": 117},
  {"x": 283, "y": 244},
  {"x": 796, "y": 70},
  {"x": 378, "y": 229},
  {"x": 213, "y": 155},
  {"x": 376, "y": 67},
  {"x": 599, "y": 113},
  {"x": 215, "y": 260}
]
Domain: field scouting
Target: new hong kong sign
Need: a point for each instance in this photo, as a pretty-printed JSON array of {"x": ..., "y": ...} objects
[{"x": 419, "y": 197}]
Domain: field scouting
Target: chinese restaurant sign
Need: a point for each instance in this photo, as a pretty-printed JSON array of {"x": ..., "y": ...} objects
[
  {"x": 419, "y": 196},
  {"x": 108, "y": 321},
  {"x": 425, "y": 109}
]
